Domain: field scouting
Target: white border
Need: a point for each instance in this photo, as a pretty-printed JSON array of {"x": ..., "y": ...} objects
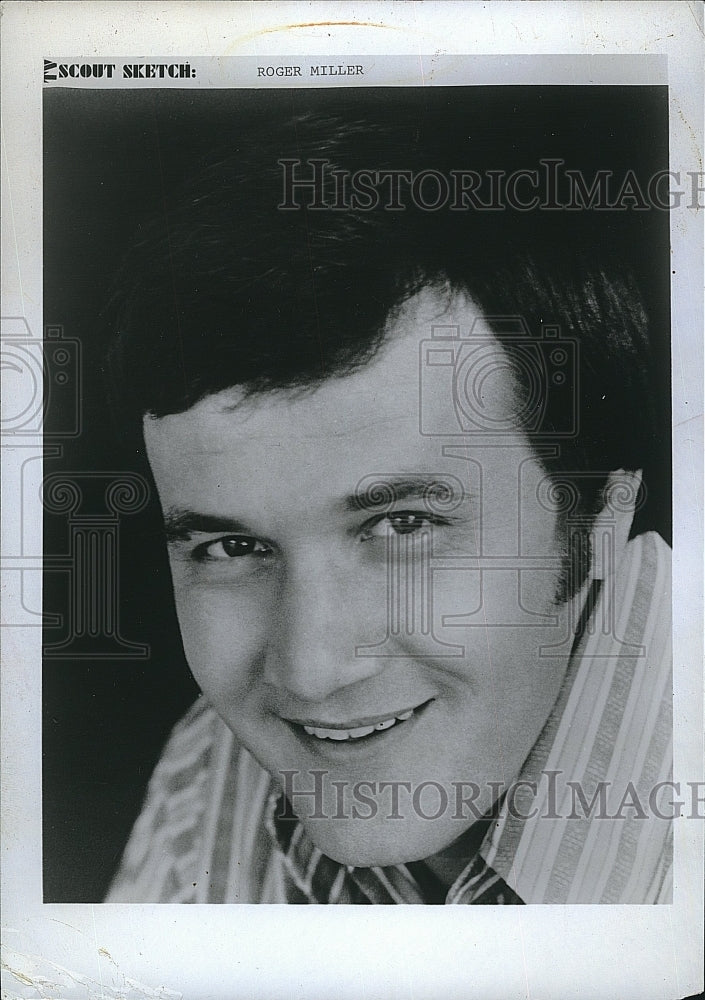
[{"x": 66, "y": 951}]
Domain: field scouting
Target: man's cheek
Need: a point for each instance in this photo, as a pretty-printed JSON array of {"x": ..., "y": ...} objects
[
  {"x": 219, "y": 642},
  {"x": 455, "y": 595}
]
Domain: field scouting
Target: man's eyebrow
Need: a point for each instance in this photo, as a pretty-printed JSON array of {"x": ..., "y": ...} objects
[
  {"x": 181, "y": 522},
  {"x": 382, "y": 492},
  {"x": 375, "y": 493}
]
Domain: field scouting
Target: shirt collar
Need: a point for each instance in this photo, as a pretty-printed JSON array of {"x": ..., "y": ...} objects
[
  {"x": 319, "y": 879},
  {"x": 539, "y": 846}
]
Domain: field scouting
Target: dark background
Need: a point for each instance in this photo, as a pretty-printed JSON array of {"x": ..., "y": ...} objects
[{"x": 109, "y": 157}]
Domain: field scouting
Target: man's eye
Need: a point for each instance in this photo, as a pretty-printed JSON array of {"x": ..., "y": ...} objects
[
  {"x": 231, "y": 547},
  {"x": 403, "y": 523}
]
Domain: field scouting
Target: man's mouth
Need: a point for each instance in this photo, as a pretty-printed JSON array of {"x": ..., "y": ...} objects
[{"x": 357, "y": 730}]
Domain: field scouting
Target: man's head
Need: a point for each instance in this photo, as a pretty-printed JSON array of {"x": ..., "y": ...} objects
[
  {"x": 224, "y": 287},
  {"x": 350, "y": 541}
]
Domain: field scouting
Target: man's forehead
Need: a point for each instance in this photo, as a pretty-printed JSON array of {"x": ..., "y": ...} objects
[
  {"x": 384, "y": 393},
  {"x": 266, "y": 432},
  {"x": 269, "y": 457}
]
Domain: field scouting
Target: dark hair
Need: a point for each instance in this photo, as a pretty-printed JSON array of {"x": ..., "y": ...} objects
[{"x": 224, "y": 288}]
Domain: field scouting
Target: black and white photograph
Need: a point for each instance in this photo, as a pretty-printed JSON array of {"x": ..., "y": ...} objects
[
  {"x": 396, "y": 364},
  {"x": 349, "y": 430}
]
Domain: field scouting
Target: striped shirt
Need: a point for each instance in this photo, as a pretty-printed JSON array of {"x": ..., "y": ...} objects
[{"x": 581, "y": 825}]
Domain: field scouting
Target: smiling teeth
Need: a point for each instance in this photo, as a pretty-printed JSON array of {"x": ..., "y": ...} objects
[{"x": 355, "y": 734}]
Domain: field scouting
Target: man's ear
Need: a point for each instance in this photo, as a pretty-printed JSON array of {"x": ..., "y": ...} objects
[{"x": 622, "y": 494}]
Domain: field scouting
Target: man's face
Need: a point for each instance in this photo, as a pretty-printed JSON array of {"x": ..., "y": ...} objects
[{"x": 309, "y": 600}]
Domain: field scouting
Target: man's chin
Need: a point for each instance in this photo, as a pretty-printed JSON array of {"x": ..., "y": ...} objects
[{"x": 379, "y": 845}]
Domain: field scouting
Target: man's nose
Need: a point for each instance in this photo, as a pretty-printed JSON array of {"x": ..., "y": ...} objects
[{"x": 323, "y": 614}]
